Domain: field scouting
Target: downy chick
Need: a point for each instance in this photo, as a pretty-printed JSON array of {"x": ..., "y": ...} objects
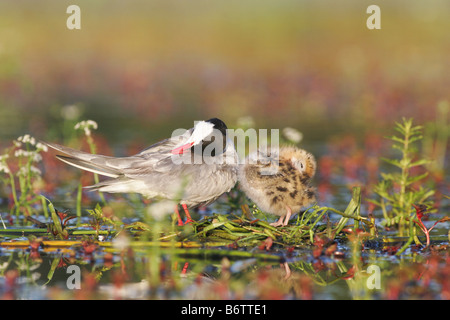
[{"x": 279, "y": 183}]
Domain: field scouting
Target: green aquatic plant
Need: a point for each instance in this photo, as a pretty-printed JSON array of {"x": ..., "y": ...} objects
[
  {"x": 20, "y": 173},
  {"x": 87, "y": 126},
  {"x": 397, "y": 191}
]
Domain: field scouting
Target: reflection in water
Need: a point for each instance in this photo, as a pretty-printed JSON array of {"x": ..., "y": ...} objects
[{"x": 129, "y": 274}]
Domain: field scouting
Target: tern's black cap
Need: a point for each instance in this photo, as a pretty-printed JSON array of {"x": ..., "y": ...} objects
[{"x": 218, "y": 124}]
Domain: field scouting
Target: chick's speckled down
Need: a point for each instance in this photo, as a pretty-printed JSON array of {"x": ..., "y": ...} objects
[{"x": 279, "y": 182}]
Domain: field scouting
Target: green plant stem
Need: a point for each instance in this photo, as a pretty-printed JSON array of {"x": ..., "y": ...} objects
[
  {"x": 410, "y": 239},
  {"x": 13, "y": 190},
  {"x": 44, "y": 231},
  {"x": 404, "y": 177},
  {"x": 405, "y": 246},
  {"x": 44, "y": 207},
  {"x": 79, "y": 195},
  {"x": 353, "y": 207},
  {"x": 93, "y": 150},
  {"x": 350, "y": 216},
  {"x": 383, "y": 209}
]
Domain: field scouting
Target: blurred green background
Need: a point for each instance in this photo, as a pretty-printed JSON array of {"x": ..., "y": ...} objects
[{"x": 143, "y": 68}]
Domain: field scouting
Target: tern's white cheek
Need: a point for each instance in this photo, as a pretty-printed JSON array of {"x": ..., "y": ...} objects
[{"x": 202, "y": 130}]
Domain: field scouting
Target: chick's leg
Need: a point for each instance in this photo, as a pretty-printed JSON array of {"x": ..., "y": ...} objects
[
  {"x": 288, "y": 216},
  {"x": 278, "y": 223}
]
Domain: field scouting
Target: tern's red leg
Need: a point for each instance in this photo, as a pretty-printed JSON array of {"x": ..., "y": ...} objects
[
  {"x": 180, "y": 222},
  {"x": 188, "y": 215},
  {"x": 185, "y": 267}
]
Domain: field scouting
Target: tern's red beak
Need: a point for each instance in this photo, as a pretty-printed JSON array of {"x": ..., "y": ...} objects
[{"x": 180, "y": 150}]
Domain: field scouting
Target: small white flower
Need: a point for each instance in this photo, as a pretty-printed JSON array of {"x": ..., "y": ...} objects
[
  {"x": 159, "y": 210},
  {"x": 27, "y": 139},
  {"x": 121, "y": 242},
  {"x": 21, "y": 265},
  {"x": 36, "y": 275},
  {"x": 35, "y": 170},
  {"x": 92, "y": 124},
  {"x": 86, "y": 125},
  {"x": 34, "y": 266},
  {"x": 245, "y": 122},
  {"x": 24, "y": 139},
  {"x": 41, "y": 147},
  {"x": 70, "y": 112},
  {"x": 292, "y": 135},
  {"x": 24, "y": 171},
  {"x": 36, "y": 157},
  {"x": 4, "y": 168},
  {"x": 19, "y": 153}
]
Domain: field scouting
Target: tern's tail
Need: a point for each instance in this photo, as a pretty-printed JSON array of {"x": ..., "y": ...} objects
[{"x": 86, "y": 161}]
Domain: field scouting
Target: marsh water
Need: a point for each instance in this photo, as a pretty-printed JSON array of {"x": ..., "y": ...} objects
[
  {"x": 142, "y": 69},
  {"x": 342, "y": 269}
]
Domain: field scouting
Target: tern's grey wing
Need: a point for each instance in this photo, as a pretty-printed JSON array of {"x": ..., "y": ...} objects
[
  {"x": 164, "y": 147},
  {"x": 159, "y": 158}
]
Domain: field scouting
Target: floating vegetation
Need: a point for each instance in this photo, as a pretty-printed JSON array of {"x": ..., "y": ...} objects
[
  {"x": 322, "y": 246},
  {"x": 334, "y": 89}
]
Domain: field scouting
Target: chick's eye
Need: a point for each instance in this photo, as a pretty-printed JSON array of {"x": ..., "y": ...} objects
[{"x": 301, "y": 165}]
